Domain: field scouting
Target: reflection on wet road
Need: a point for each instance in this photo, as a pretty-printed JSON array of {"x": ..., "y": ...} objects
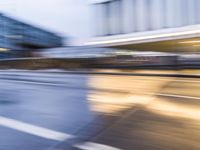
[{"x": 80, "y": 111}]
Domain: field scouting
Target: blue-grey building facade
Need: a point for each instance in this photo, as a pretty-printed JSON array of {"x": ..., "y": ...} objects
[
  {"x": 113, "y": 17},
  {"x": 18, "y": 36}
]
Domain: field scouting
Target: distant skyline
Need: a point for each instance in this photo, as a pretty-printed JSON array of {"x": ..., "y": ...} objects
[{"x": 65, "y": 17}]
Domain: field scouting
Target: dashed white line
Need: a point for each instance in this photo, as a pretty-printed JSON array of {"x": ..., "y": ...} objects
[
  {"x": 50, "y": 134},
  {"x": 34, "y": 130}
]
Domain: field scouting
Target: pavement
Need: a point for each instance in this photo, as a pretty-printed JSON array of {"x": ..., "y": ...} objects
[{"x": 64, "y": 111}]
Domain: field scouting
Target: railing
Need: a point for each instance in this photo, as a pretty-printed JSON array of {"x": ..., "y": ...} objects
[{"x": 147, "y": 62}]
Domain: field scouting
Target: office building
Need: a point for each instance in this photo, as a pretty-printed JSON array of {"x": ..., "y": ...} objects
[
  {"x": 131, "y": 23},
  {"x": 17, "y": 36}
]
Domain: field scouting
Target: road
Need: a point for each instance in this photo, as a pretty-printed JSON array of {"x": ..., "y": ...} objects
[{"x": 59, "y": 110}]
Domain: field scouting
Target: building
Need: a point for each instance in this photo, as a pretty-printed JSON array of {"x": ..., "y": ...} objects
[
  {"x": 77, "y": 52},
  {"x": 147, "y": 24},
  {"x": 19, "y": 37}
]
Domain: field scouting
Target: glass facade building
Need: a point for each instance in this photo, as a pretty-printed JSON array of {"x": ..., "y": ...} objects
[
  {"x": 129, "y": 16},
  {"x": 16, "y": 35}
]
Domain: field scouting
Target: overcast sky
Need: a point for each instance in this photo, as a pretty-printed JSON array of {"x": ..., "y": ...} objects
[{"x": 68, "y": 17}]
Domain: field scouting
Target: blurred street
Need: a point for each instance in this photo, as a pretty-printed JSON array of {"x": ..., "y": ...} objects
[
  {"x": 57, "y": 110},
  {"x": 100, "y": 75}
]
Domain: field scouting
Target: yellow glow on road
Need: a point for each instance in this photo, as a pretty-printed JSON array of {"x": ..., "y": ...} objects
[
  {"x": 190, "y": 42},
  {"x": 196, "y": 45},
  {"x": 174, "y": 109},
  {"x": 3, "y": 49},
  {"x": 117, "y": 93}
]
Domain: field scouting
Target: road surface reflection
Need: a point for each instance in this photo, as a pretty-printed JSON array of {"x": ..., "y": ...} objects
[
  {"x": 60, "y": 110},
  {"x": 153, "y": 112}
]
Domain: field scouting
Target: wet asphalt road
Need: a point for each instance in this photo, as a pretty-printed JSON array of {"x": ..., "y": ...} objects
[{"x": 57, "y": 111}]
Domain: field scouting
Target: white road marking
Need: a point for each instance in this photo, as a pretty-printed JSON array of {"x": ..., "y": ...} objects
[
  {"x": 94, "y": 146},
  {"x": 50, "y": 134},
  {"x": 34, "y": 130}
]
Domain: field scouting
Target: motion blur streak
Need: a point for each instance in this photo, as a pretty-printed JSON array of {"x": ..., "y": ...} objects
[
  {"x": 143, "y": 37},
  {"x": 94, "y": 146}
]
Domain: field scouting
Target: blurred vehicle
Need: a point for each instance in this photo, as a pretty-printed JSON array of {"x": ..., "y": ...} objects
[{"x": 190, "y": 60}]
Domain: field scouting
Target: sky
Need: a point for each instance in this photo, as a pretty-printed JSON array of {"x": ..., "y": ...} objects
[{"x": 70, "y": 18}]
